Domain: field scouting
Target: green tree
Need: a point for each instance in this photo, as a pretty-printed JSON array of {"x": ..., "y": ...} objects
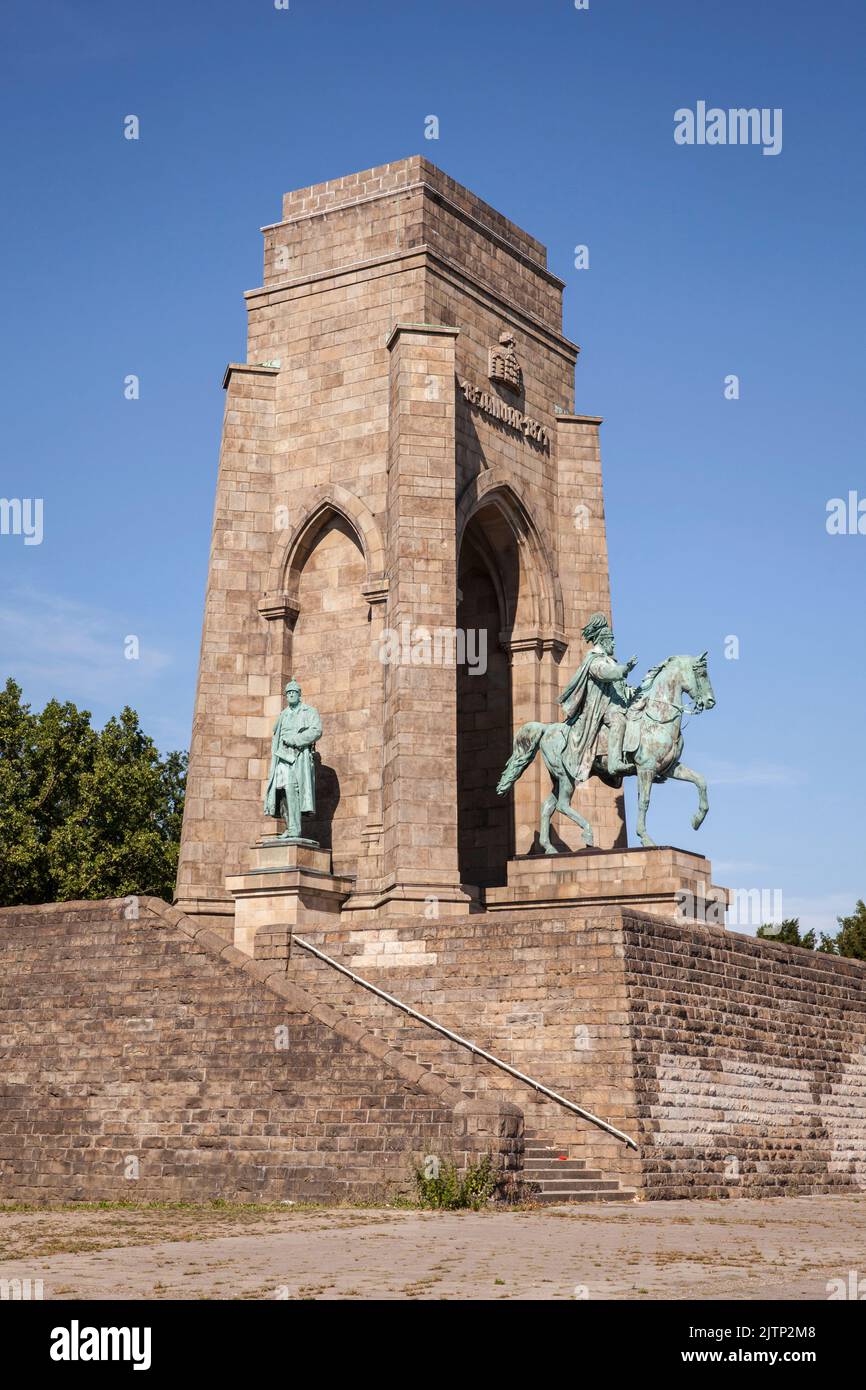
[
  {"x": 84, "y": 813},
  {"x": 827, "y": 944},
  {"x": 788, "y": 932},
  {"x": 850, "y": 939}
]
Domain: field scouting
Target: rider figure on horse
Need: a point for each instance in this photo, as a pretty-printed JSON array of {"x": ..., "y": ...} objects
[{"x": 596, "y": 695}]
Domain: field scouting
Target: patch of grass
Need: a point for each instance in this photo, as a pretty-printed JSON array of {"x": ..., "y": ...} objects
[
  {"x": 78, "y": 1228},
  {"x": 216, "y": 1204},
  {"x": 445, "y": 1189}
]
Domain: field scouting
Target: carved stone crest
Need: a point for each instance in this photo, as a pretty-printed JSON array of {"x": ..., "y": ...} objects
[{"x": 504, "y": 367}]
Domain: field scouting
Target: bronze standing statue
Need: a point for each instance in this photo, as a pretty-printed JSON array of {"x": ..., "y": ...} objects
[
  {"x": 611, "y": 731},
  {"x": 291, "y": 789}
]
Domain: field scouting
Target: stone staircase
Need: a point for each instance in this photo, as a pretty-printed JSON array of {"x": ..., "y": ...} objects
[
  {"x": 554, "y": 1174},
  {"x": 554, "y": 1177}
]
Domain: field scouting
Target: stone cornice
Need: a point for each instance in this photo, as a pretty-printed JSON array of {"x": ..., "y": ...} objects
[
  {"x": 251, "y": 368},
  {"x": 538, "y": 640},
  {"x": 280, "y": 605},
  {"x": 510, "y": 313},
  {"x": 375, "y": 590},
  {"x": 443, "y": 330}
]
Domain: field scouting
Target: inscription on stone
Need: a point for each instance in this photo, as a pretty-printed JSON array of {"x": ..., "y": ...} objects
[{"x": 508, "y": 414}]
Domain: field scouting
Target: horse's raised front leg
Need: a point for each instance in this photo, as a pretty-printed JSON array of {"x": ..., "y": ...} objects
[
  {"x": 548, "y": 806},
  {"x": 565, "y": 792},
  {"x": 644, "y": 783},
  {"x": 685, "y": 774}
]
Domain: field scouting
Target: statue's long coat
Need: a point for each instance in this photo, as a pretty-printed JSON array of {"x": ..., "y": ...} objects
[
  {"x": 302, "y": 723},
  {"x": 598, "y": 681}
]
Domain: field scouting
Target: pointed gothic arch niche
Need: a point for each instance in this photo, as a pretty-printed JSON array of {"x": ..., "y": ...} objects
[
  {"x": 484, "y": 584},
  {"x": 330, "y": 651},
  {"x": 507, "y": 589}
]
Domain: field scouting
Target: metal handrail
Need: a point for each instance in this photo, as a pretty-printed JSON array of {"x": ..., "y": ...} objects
[{"x": 464, "y": 1042}]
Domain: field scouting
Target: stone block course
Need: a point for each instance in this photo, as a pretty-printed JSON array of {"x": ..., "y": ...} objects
[
  {"x": 150, "y": 1046},
  {"x": 750, "y": 1063},
  {"x": 737, "y": 1065}
]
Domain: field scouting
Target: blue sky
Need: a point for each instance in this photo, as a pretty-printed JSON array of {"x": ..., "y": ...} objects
[{"x": 131, "y": 257}]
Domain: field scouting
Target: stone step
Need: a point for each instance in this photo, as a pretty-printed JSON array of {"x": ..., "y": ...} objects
[
  {"x": 555, "y": 1177},
  {"x": 548, "y": 1156},
  {"x": 622, "y": 1194},
  {"x": 567, "y": 1165},
  {"x": 576, "y": 1185},
  {"x": 543, "y": 1176}
]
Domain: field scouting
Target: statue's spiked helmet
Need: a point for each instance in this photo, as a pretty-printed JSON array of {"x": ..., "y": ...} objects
[{"x": 598, "y": 626}]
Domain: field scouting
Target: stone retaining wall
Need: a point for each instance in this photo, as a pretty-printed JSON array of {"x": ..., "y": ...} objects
[
  {"x": 147, "y": 1060},
  {"x": 150, "y": 1046},
  {"x": 749, "y": 1063}
]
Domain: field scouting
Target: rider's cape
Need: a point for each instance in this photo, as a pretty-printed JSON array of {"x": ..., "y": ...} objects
[
  {"x": 584, "y": 702},
  {"x": 574, "y": 694}
]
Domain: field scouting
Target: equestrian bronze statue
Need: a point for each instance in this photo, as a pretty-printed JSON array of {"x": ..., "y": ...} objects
[{"x": 611, "y": 731}]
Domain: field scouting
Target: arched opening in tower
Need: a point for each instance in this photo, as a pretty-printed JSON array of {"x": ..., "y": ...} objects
[
  {"x": 331, "y": 656},
  {"x": 487, "y": 573}
]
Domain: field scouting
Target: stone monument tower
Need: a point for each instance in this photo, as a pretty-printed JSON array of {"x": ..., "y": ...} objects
[{"x": 409, "y": 519}]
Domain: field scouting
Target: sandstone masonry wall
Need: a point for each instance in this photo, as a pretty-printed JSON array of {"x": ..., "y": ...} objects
[
  {"x": 148, "y": 1046},
  {"x": 749, "y": 1063},
  {"x": 544, "y": 993},
  {"x": 353, "y": 455},
  {"x": 738, "y": 1065}
]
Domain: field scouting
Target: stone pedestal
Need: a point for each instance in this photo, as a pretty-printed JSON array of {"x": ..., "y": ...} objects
[
  {"x": 428, "y": 900},
  {"x": 673, "y": 883},
  {"x": 289, "y": 885}
]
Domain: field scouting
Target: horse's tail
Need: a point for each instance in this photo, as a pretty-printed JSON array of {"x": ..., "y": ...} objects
[{"x": 526, "y": 743}]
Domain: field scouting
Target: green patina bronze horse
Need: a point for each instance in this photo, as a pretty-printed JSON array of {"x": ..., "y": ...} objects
[{"x": 652, "y": 749}]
